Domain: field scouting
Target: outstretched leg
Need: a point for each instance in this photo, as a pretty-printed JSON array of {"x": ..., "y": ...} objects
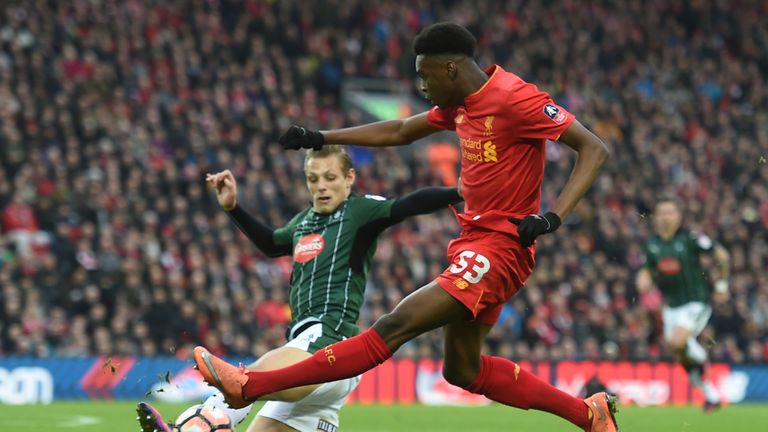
[
  {"x": 504, "y": 381},
  {"x": 297, "y": 408},
  {"x": 425, "y": 309}
]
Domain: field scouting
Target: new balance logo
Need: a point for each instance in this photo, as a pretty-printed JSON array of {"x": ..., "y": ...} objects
[{"x": 461, "y": 283}]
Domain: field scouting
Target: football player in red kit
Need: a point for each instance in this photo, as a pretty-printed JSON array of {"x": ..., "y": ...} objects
[{"x": 503, "y": 124}]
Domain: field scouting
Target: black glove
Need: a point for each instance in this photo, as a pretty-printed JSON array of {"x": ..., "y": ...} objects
[
  {"x": 297, "y": 137},
  {"x": 532, "y": 226}
]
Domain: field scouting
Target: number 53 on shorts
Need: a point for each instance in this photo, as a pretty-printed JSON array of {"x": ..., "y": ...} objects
[
  {"x": 472, "y": 264},
  {"x": 486, "y": 270}
]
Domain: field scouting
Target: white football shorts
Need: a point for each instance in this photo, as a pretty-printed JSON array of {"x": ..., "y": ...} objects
[
  {"x": 691, "y": 316},
  {"x": 318, "y": 411}
]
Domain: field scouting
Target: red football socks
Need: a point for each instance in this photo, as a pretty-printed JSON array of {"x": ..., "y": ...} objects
[
  {"x": 504, "y": 381},
  {"x": 498, "y": 379},
  {"x": 344, "y": 359}
]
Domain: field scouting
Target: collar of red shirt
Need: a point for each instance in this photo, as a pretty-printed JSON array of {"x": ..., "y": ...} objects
[{"x": 492, "y": 71}]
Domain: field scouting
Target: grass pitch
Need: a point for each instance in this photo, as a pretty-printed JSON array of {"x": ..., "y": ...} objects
[{"x": 119, "y": 416}]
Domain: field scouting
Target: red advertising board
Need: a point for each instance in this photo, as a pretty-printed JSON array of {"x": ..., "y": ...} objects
[{"x": 405, "y": 381}]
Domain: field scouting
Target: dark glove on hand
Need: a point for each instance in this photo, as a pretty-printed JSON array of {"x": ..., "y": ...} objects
[
  {"x": 297, "y": 137},
  {"x": 532, "y": 226}
]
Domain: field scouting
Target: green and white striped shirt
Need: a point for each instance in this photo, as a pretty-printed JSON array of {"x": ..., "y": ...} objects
[{"x": 332, "y": 254}]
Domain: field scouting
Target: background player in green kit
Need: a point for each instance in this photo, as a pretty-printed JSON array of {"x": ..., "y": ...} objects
[
  {"x": 672, "y": 261},
  {"x": 332, "y": 243}
]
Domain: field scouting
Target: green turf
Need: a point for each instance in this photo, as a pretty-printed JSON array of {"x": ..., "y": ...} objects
[{"x": 119, "y": 417}]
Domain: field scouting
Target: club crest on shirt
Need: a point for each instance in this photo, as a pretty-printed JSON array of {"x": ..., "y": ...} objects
[
  {"x": 488, "y": 123},
  {"x": 308, "y": 247},
  {"x": 669, "y": 266},
  {"x": 554, "y": 113}
]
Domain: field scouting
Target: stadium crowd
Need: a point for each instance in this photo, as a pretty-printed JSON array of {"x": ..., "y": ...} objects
[{"x": 111, "y": 112}]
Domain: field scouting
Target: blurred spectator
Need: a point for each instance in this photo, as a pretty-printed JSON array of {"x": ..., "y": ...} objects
[
  {"x": 593, "y": 385},
  {"x": 111, "y": 113},
  {"x": 21, "y": 227}
]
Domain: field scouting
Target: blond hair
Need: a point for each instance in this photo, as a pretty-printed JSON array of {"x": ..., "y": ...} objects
[{"x": 331, "y": 150}]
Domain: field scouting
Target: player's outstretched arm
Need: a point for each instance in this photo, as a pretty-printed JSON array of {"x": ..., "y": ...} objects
[
  {"x": 259, "y": 233},
  {"x": 423, "y": 201},
  {"x": 378, "y": 134},
  {"x": 592, "y": 153}
]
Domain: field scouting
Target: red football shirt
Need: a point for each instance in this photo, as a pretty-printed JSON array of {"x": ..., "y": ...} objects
[{"x": 503, "y": 128}]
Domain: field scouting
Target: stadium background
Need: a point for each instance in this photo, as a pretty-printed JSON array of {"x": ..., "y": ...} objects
[{"x": 111, "y": 112}]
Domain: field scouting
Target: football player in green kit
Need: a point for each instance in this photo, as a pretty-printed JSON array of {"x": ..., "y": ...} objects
[
  {"x": 672, "y": 263},
  {"x": 332, "y": 244}
]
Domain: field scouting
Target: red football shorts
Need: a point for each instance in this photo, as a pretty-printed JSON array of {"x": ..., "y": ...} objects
[{"x": 487, "y": 268}]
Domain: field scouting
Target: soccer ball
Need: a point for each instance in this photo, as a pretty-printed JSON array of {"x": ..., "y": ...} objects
[{"x": 203, "y": 418}]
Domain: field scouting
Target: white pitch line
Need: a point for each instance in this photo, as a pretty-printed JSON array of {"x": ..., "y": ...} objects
[{"x": 79, "y": 421}]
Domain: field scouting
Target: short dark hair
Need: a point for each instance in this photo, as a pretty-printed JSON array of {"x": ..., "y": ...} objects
[
  {"x": 445, "y": 38},
  {"x": 668, "y": 198}
]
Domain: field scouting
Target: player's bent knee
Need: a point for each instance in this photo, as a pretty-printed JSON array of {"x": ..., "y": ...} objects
[
  {"x": 459, "y": 377},
  {"x": 395, "y": 329},
  {"x": 678, "y": 340},
  {"x": 677, "y": 347},
  {"x": 391, "y": 329}
]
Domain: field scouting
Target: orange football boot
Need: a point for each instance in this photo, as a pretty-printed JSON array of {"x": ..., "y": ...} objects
[
  {"x": 228, "y": 378},
  {"x": 603, "y": 407}
]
